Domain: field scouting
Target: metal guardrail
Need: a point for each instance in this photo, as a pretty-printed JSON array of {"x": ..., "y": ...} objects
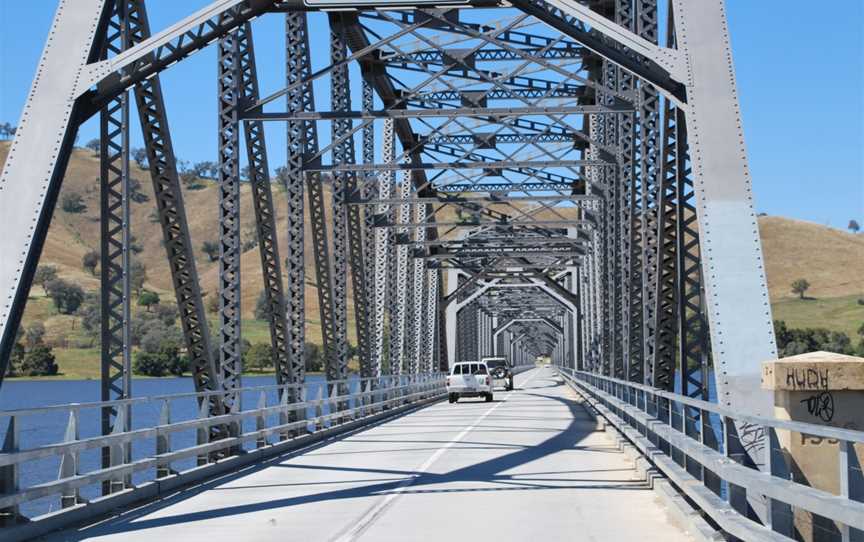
[
  {"x": 278, "y": 427},
  {"x": 695, "y": 444}
]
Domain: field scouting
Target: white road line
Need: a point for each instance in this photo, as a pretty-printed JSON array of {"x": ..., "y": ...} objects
[{"x": 369, "y": 517}]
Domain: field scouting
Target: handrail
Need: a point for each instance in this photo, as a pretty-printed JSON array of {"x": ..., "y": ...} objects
[
  {"x": 635, "y": 410},
  {"x": 825, "y": 431},
  {"x": 373, "y": 397},
  {"x": 185, "y": 395}
]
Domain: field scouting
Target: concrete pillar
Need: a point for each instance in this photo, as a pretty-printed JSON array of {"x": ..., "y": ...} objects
[{"x": 821, "y": 388}]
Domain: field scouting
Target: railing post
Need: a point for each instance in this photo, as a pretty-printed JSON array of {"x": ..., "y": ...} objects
[
  {"x": 203, "y": 432},
  {"x": 261, "y": 421},
  {"x": 9, "y": 473},
  {"x": 118, "y": 451},
  {"x": 69, "y": 461},
  {"x": 780, "y": 516},
  {"x": 163, "y": 440},
  {"x": 735, "y": 495}
]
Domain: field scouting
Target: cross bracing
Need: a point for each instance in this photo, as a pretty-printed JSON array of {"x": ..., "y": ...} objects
[{"x": 547, "y": 166}]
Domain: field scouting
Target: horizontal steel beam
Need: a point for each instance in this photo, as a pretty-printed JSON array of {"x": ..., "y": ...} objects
[
  {"x": 501, "y": 164},
  {"x": 456, "y": 112}
]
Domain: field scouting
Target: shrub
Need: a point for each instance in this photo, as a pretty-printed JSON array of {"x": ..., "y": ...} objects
[
  {"x": 150, "y": 364},
  {"x": 44, "y": 274},
  {"x": 90, "y": 261},
  {"x": 34, "y": 334},
  {"x": 262, "y": 307},
  {"x": 167, "y": 314},
  {"x": 259, "y": 357},
  {"x": 39, "y": 362},
  {"x": 67, "y": 297},
  {"x": 73, "y": 202},
  {"x": 211, "y": 249},
  {"x": 314, "y": 357},
  {"x": 137, "y": 276}
]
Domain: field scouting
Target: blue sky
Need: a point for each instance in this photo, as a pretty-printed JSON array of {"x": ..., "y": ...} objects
[{"x": 800, "y": 76}]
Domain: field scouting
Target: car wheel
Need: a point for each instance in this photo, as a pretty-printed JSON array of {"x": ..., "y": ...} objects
[
  {"x": 451, "y": 398},
  {"x": 510, "y": 385},
  {"x": 489, "y": 397}
]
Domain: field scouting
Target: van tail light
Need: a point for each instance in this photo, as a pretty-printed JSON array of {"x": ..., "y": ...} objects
[{"x": 448, "y": 381}]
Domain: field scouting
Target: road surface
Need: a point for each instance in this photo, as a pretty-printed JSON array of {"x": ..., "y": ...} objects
[{"x": 529, "y": 466}]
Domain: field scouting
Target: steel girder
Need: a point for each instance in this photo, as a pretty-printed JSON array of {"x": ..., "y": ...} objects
[
  {"x": 631, "y": 250},
  {"x": 114, "y": 192},
  {"x": 230, "y": 357}
]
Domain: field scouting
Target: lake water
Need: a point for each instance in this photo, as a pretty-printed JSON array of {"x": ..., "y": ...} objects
[{"x": 42, "y": 429}]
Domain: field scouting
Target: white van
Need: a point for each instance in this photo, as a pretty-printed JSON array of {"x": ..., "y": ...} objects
[{"x": 469, "y": 379}]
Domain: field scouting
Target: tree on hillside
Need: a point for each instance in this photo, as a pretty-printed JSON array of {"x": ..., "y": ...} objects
[
  {"x": 314, "y": 357},
  {"x": 90, "y": 261},
  {"x": 211, "y": 249},
  {"x": 166, "y": 313},
  {"x": 94, "y": 145},
  {"x": 135, "y": 193},
  {"x": 34, "y": 334},
  {"x": 39, "y": 362},
  {"x": 67, "y": 297},
  {"x": 259, "y": 357},
  {"x": 147, "y": 299},
  {"x": 800, "y": 286},
  {"x": 137, "y": 276},
  {"x": 140, "y": 156},
  {"x": 262, "y": 308},
  {"x": 91, "y": 318},
  {"x": 281, "y": 176},
  {"x": 73, "y": 202},
  {"x": 854, "y": 227},
  {"x": 7, "y": 131},
  {"x": 44, "y": 274}
]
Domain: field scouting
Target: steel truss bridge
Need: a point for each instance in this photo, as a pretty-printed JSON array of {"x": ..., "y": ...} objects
[{"x": 532, "y": 178}]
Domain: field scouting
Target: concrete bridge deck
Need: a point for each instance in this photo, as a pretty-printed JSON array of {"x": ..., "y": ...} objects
[{"x": 529, "y": 466}]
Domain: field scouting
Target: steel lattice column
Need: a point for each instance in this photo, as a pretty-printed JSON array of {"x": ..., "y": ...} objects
[
  {"x": 345, "y": 185},
  {"x": 649, "y": 155},
  {"x": 419, "y": 295},
  {"x": 302, "y": 138},
  {"x": 343, "y": 240},
  {"x": 229, "y": 217},
  {"x": 370, "y": 364},
  {"x": 399, "y": 277},
  {"x": 379, "y": 275},
  {"x": 172, "y": 218},
  {"x": 265, "y": 218},
  {"x": 114, "y": 254}
]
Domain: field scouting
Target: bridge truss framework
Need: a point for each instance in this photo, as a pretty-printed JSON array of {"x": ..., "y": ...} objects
[{"x": 533, "y": 178}]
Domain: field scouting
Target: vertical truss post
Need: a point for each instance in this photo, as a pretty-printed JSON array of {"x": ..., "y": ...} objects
[
  {"x": 370, "y": 365},
  {"x": 646, "y": 27},
  {"x": 172, "y": 218},
  {"x": 347, "y": 183},
  {"x": 399, "y": 277},
  {"x": 265, "y": 217},
  {"x": 302, "y": 137},
  {"x": 442, "y": 335},
  {"x": 229, "y": 218},
  {"x": 430, "y": 321},
  {"x": 114, "y": 240},
  {"x": 624, "y": 16},
  {"x": 343, "y": 240},
  {"x": 672, "y": 173},
  {"x": 382, "y": 251},
  {"x": 419, "y": 296}
]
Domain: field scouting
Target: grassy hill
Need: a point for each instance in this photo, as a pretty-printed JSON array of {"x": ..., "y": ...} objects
[{"x": 831, "y": 260}]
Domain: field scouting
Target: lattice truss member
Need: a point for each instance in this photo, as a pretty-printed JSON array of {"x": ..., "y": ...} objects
[{"x": 546, "y": 178}]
